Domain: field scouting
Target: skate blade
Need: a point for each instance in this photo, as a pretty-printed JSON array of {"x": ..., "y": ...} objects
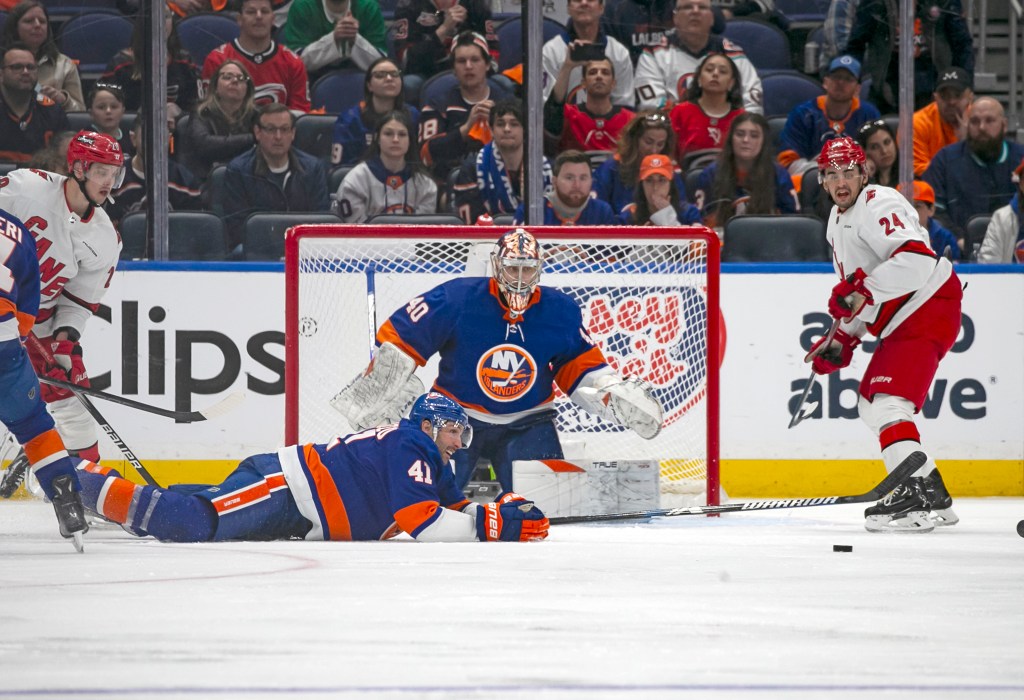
[
  {"x": 913, "y": 522},
  {"x": 944, "y": 517},
  {"x": 78, "y": 541}
]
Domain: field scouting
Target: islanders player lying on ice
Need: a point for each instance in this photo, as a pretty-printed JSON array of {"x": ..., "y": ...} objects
[
  {"x": 368, "y": 486},
  {"x": 521, "y": 339}
]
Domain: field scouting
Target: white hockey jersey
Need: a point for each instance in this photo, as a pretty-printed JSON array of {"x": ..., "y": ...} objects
[
  {"x": 882, "y": 235},
  {"x": 77, "y": 257},
  {"x": 556, "y": 50},
  {"x": 663, "y": 73}
]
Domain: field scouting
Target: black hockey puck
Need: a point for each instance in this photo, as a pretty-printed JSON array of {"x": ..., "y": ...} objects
[
  {"x": 1020, "y": 528},
  {"x": 842, "y": 548}
]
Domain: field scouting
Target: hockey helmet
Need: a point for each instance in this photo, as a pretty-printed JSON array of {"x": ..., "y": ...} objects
[
  {"x": 842, "y": 154},
  {"x": 440, "y": 411},
  {"x": 89, "y": 147},
  {"x": 517, "y": 263}
]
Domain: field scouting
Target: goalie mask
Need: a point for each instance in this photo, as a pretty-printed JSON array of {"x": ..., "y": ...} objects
[
  {"x": 441, "y": 412},
  {"x": 517, "y": 263}
]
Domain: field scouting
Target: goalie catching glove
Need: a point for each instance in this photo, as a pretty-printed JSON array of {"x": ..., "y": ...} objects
[
  {"x": 511, "y": 518},
  {"x": 383, "y": 393},
  {"x": 628, "y": 402}
]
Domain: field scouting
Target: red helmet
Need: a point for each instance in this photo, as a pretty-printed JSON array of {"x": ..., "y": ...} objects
[
  {"x": 841, "y": 154},
  {"x": 92, "y": 147}
]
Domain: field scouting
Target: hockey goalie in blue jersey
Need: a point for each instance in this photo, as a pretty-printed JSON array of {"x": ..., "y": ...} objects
[
  {"x": 371, "y": 485},
  {"x": 504, "y": 343},
  {"x": 22, "y": 409}
]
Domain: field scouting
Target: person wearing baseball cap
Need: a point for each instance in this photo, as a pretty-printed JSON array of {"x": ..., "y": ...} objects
[
  {"x": 657, "y": 196},
  {"x": 839, "y": 112},
  {"x": 1004, "y": 237},
  {"x": 943, "y": 121},
  {"x": 942, "y": 239}
]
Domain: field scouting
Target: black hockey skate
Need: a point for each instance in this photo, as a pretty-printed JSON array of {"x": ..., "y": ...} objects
[
  {"x": 941, "y": 502},
  {"x": 67, "y": 503},
  {"x": 14, "y": 475},
  {"x": 905, "y": 509}
]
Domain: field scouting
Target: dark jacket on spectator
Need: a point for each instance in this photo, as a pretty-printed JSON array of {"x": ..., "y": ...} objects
[
  {"x": 210, "y": 139},
  {"x": 248, "y": 188}
]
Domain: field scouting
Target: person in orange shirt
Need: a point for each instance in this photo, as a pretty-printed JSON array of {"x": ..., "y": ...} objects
[{"x": 943, "y": 121}]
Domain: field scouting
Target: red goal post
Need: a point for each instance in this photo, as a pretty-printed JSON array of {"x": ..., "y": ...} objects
[{"x": 649, "y": 297}]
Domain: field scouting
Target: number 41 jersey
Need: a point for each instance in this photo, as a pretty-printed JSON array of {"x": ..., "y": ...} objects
[{"x": 498, "y": 367}]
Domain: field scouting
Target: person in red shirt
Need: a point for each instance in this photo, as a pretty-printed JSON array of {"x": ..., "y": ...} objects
[
  {"x": 712, "y": 102},
  {"x": 593, "y": 125}
]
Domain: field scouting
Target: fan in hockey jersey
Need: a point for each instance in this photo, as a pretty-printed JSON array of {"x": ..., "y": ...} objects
[
  {"x": 505, "y": 343},
  {"x": 702, "y": 121},
  {"x": 22, "y": 410},
  {"x": 371, "y": 485},
  {"x": 592, "y": 125},
  {"x": 78, "y": 250},
  {"x": 391, "y": 179},
  {"x": 425, "y": 32},
  {"x": 663, "y": 73},
  {"x": 893, "y": 286}
]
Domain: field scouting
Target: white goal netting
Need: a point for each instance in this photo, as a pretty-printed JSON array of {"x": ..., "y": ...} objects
[{"x": 648, "y": 296}]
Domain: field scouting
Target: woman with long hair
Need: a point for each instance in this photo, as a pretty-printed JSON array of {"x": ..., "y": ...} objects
[
  {"x": 58, "y": 79},
  {"x": 713, "y": 100},
  {"x": 222, "y": 125},
  {"x": 745, "y": 179},
  {"x": 615, "y": 180},
  {"x": 125, "y": 69},
  {"x": 382, "y": 93},
  {"x": 879, "y": 143},
  {"x": 105, "y": 105},
  {"x": 391, "y": 179}
]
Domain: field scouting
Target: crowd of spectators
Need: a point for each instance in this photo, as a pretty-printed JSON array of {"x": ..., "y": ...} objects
[{"x": 651, "y": 115}]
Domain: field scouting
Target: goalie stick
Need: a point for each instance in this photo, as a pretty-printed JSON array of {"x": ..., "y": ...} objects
[
  {"x": 896, "y": 477},
  {"x": 802, "y": 411},
  {"x": 218, "y": 409}
]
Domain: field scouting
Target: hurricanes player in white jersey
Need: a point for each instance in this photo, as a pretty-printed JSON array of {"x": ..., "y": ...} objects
[
  {"x": 78, "y": 249},
  {"x": 894, "y": 286}
]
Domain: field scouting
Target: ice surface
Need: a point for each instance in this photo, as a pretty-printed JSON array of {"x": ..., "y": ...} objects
[{"x": 744, "y": 605}]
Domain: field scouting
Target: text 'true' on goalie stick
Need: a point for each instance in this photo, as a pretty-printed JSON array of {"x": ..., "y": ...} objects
[
  {"x": 896, "y": 477},
  {"x": 802, "y": 411},
  {"x": 41, "y": 348}
]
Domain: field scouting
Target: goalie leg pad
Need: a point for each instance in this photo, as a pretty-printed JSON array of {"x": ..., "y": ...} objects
[{"x": 383, "y": 393}]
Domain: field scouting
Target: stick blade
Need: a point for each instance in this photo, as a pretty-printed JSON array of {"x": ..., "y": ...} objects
[
  {"x": 228, "y": 404},
  {"x": 901, "y": 473}
]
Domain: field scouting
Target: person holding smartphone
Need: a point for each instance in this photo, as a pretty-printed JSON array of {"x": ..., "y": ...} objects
[{"x": 584, "y": 40}]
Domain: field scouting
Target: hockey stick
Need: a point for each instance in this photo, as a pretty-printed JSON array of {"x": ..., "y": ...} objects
[
  {"x": 79, "y": 394},
  {"x": 218, "y": 409},
  {"x": 896, "y": 477},
  {"x": 802, "y": 411}
]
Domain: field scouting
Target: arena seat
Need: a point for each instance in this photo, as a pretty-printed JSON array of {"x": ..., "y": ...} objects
[
  {"x": 786, "y": 238},
  {"x": 510, "y": 39},
  {"x": 191, "y": 235},
  {"x": 974, "y": 231},
  {"x": 784, "y": 91},
  {"x": 338, "y": 91},
  {"x": 203, "y": 32},
  {"x": 314, "y": 134},
  {"x": 92, "y": 39},
  {"x": 764, "y": 44},
  {"x": 263, "y": 235}
]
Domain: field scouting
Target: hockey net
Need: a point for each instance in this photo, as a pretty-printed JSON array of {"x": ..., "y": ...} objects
[{"x": 649, "y": 298}]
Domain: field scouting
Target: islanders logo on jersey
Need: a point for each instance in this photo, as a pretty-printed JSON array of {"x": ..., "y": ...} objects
[{"x": 506, "y": 372}]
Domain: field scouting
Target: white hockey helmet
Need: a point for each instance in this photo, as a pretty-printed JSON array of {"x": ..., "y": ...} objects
[{"x": 517, "y": 263}]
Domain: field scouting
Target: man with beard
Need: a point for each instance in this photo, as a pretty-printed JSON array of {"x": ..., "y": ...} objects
[
  {"x": 974, "y": 176},
  {"x": 570, "y": 203},
  {"x": 30, "y": 123},
  {"x": 595, "y": 124}
]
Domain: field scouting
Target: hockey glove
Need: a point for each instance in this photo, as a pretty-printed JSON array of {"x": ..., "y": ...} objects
[
  {"x": 511, "y": 518},
  {"x": 849, "y": 296},
  {"x": 838, "y": 353},
  {"x": 64, "y": 363}
]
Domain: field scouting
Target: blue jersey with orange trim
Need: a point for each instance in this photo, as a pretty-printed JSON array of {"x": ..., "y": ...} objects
[
  {"x": 498, "y": 367},
  {"x": 359, "y": 487},
  {"x": 19, "y": 278}
]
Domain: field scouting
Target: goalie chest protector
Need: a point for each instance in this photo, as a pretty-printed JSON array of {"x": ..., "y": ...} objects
[{"x": 490, "y": 362}]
